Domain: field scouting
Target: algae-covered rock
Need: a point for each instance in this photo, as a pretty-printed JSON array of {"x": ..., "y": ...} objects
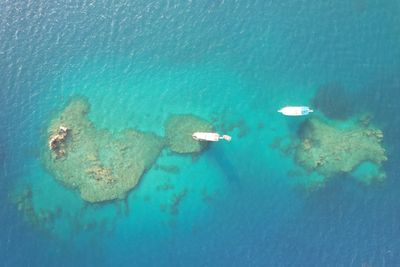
[
  {"x": 101, "y": 165},
  {"x": 330, "y": 150},
  {"x": 179, "y": 130}
]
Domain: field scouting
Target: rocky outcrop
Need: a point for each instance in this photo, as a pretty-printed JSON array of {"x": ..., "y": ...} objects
[{"x": 57, "y": 141}]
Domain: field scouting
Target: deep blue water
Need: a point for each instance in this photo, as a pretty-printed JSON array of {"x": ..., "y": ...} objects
[{"x": 138, "y": 62}]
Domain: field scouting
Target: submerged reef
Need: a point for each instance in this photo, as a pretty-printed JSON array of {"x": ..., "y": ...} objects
[
  {"x": 330, "y": 150},
  {"x": 102, "y": 165},
  {"x": 179, "y": 130},
  {"x": 43, "y": 219}
]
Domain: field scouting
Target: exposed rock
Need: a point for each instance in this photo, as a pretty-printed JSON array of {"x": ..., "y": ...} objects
[{"x": 57, "y": 141}]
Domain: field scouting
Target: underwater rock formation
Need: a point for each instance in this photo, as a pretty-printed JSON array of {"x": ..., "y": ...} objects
[
  {"x": 330, "y": 150},
  {"x": 333, "y": 101},
  {"x": 102, "y": 165},
  {"x": 179, "y": 130}
]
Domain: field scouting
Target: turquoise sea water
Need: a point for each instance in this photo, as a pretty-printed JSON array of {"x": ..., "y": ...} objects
[{"x": 233, "y": 63}]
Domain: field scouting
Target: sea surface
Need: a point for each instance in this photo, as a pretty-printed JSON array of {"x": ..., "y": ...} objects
[{"x": 241, "y": 203}]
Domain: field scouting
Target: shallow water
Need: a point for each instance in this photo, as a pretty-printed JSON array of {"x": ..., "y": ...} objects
[{"x": 234, "y": 64}]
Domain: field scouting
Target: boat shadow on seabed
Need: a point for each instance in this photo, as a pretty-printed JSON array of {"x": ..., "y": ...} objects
[{"x": 217, "y": 155}]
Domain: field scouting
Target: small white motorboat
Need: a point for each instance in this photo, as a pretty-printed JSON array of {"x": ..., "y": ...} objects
[
  {"x": 295, "y": 110},
  {"x": 211, "y": 137}
]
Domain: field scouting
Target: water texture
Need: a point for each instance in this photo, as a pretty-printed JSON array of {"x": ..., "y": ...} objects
[{"x": 247, "y": 202}]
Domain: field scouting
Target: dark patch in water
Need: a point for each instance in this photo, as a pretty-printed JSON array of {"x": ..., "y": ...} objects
[
  {"x": 333, "y": 101},
  {"x": 304, "y": 130},
  {"x": 383, "y": 97},
  {"x": 218, "y": 156}
]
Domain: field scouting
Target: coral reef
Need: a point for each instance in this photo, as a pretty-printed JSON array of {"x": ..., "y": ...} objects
[
  {"x": 175, "y": 201},
  {"x": 105, "y": 166},
  {"x": 179, "y": 130},
  {"x": 330, "y": 150},
  {"x": 173, "y": 169},
  {"x": 43, "y": 219},
  {"x": 101, "y": 165}
]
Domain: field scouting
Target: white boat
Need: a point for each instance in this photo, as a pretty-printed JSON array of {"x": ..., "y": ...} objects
[
  {"x": 295, "y": 110},
  {"x": 211, "y": 137}
]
